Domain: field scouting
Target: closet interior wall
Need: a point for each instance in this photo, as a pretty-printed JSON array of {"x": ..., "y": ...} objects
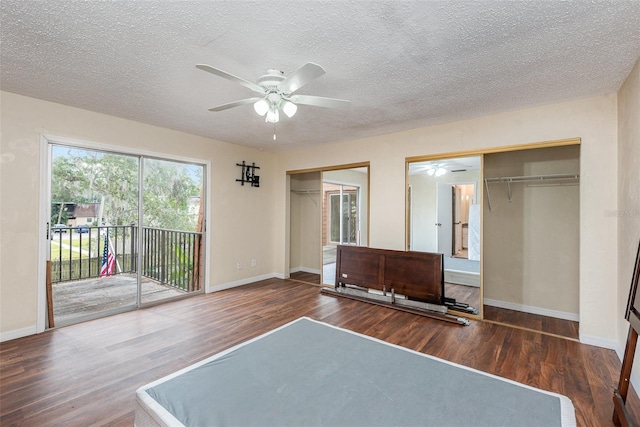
[
  {"x": 305, "y": 223},
  {"x": 532, "y": 235}
]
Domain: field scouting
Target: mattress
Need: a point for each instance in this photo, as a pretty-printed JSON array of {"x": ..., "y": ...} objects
[{"x": 314, "y": 374}]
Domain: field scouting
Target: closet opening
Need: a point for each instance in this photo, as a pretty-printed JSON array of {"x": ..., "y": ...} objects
[{"x": 531, "y": 231}]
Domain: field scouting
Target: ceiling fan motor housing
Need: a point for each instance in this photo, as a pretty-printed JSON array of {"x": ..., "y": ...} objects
[{"x": 271, "y": 80}]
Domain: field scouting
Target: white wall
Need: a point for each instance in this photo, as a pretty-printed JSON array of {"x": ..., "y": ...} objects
[
  {"x": 628, "y": 209},
  {"x": 594, "y": 120},
  {"x": 242, "y": 216}
]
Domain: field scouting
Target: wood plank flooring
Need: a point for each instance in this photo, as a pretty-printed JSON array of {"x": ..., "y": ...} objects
[
  {"x": 87, "y": 374},
  {"x": 552, "y": 325},
  {"x": 464, "y": 294},
  {"x": 306, "y": 277}
]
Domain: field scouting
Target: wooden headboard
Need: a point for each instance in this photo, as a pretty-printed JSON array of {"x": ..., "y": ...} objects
[
  {"x": 417, "y": 275},
  {"x": 633, "y": 305},
  {"x": 620, "y": 413}
]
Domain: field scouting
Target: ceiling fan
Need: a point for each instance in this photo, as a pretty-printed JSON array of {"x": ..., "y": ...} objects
[
  {"x": 277, "y": 92},
  {"x": 431, "y": 168}
]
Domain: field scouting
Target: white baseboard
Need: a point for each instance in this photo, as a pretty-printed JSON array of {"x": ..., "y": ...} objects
[
  {"x": 460, "y": 277},
  {"x": 533, "y": 310},
  {"x": 304, "y": 270},
  {"x": 598, "y": 342},
  {"x": 18, "y": 333},
  {"x": 236, "y": 283}
]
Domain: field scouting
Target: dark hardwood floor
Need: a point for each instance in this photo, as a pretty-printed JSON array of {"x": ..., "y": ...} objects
[
  {"x": 551, "y": 325},
  {"x": 464, "y": 294},
  {"x": 87, "y": 374},
  {"x": 306, "y": 277}
]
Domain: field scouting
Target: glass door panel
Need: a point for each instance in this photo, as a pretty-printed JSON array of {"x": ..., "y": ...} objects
[
  {"x": 93, "y": 241},
  {"x": 172, "y": 226}
]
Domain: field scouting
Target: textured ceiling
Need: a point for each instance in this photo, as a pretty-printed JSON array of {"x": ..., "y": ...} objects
[{"x": 403, "y": 64}]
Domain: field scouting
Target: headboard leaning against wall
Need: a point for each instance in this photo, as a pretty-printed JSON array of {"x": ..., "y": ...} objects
[{"x": 632, "y": 314}]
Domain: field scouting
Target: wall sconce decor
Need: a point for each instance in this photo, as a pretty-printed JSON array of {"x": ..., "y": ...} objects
[{"x": 249, "y": 174}]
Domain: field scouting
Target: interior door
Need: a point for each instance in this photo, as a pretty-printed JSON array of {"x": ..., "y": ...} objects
[{"x": 444, "y": 218}]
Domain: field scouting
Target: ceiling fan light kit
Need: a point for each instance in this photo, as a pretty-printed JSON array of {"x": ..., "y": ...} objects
[
  {"x": 273, "y": 115},
  {"x": 436, "y": 170},
  {"x": 289, "y": 108},
  {"x": 261, "y": 107},
  {"x": 277, "y": 92}
]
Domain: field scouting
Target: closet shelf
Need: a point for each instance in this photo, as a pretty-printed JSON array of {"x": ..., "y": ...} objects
[
  {"x": 526, "y": 178},
  {"x": 308, "y": 193}
]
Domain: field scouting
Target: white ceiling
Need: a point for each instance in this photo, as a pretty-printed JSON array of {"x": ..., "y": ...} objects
[{"x": 403, "y": 64}]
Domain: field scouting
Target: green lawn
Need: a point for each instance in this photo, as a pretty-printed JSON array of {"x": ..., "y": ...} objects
[{"x": 67, "y": 245}]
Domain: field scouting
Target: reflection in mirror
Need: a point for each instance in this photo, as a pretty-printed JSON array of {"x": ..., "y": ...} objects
[
  {"x": 344, "y": 214},
  {"x": 444, "y": 217}
]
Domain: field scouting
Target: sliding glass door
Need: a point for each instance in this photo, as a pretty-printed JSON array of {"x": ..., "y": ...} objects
[
  {"x": 343, "y": 220},
  {"x": 125, "y": 230},
  {"x": 172, "y": 221}
]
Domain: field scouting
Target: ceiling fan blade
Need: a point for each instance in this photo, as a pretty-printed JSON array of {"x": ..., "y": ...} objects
[
  {"x": 301, "y": 77},
  {"x": 235, "y": 79},
  {"x": 320, "y": 101},
  {"x": 234, "y": 104}
]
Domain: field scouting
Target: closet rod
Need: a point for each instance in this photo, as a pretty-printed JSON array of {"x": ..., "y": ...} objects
[
  {"x": 308, "y": 193},
  {"x": 526, "y": 178}
]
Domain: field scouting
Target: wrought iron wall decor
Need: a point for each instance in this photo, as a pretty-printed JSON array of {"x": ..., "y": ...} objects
[{"x": 249, "y": 174}]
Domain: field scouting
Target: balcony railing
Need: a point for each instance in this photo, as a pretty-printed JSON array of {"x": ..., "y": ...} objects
[
  {"x": 172, "y": 257},
  {"x": 169, "y": 257}
]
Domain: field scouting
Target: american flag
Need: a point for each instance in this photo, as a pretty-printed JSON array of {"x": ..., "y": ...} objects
[{"x": 108, "y": 260}]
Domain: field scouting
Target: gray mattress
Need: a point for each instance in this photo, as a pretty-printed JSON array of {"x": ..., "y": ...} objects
[{"x": 308, "y": 373}]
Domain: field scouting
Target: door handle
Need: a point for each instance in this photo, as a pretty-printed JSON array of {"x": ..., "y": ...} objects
[{"x": 438, "y": 224}]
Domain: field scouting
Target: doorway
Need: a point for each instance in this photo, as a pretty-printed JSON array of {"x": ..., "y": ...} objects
[
  {"x": 454, "y": 204},
  {"x": 126, "y": 231}
]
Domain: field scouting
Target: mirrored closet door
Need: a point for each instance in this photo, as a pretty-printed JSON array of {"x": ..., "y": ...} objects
[
  {"x": 327, "y": 208},
  {"x": 443, "y": 210},
  {"x": 345, "y": 201}
]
